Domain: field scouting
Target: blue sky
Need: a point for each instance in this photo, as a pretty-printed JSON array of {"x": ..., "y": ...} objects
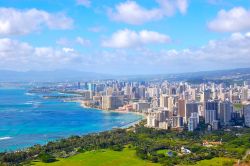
[{"x": 124, "y": 36}]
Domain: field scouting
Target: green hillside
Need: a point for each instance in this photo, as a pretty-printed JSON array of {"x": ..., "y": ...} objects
[{"x": 126, "y": 157}]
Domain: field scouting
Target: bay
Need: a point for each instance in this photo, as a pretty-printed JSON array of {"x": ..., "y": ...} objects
[{"x": 28, "y": 119}]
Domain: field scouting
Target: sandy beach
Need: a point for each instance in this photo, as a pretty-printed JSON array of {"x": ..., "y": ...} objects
[{"x": 125, "y": 112}]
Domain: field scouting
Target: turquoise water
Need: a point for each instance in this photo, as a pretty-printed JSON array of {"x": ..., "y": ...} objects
[{"x": 28, "y": 119}]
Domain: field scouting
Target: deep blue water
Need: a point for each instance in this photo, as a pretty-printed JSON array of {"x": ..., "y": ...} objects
[{"x": 27, "y": 119}]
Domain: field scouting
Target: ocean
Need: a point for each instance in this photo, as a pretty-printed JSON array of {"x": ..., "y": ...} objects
[{"x": 28, "y": 119}]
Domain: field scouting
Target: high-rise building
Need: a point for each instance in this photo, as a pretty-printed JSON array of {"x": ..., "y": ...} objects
[
  {"x": 127, "y": 90},
  {"x": 164, "y": 100},
  {"x": 91, "y": 87},
  {"x": 215, "y": 125},
  {"x": 172, "y": 91},
  {"x": 225, "y": 112},
  {"x": 190, "y": 108},
  {"x": 157, "y": 119},
  {"x": 153, "y": 92},
  {"x": 193, "y": 121},
  {"x": 141, "y": 93},
  {"x": 155, "y": 103},
  {"x": 135, "y": 93},
  {"x": 206, "y": 95},
  {"x": 181, "y": 107},
  {"x": 213, "y": 105},
  {"x": 78, "y": 85},
  {"x": 177, "y": 122},
  {"x": 141, "y": 106},
  {"x": 171, "y": 104},
  {"x": 192, "y": 93},
  {"x": 111, "y": 102},
  {"x": 246, "y": 110},
  {"x": 109, "y": 91},
  {"x": 151, "y": 121},
  {"x": 210, "y": 116},
  {"x": 244, "y": 96}
]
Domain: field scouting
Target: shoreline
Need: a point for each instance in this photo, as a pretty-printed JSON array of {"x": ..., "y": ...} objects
[
  {"x": 122, "y": 125},
  {"x": 84, "y": 106},
  {"x": 133, "y": 123},
  {"x": 143, "y": 116}
]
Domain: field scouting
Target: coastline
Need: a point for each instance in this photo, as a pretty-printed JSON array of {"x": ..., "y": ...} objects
[
  {"x": 143, "y": 116},
  {"x": 44, "y": 138},
  {"x": 133, "y": 123}
]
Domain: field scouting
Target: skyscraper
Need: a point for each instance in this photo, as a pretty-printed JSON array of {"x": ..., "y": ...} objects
[
  {"x": 111, "y": 102},
  {"x": 210, "y": 116},
  {"x": 246, "y": 110},
  {"x": 213, "y": 105},
  {"x": 91, "y": 87},
  {"x": 164, "y": 100},
  {"x": 181, "y": 107},
  {"x": 193, "y": 121},
  {"x": 190, "y": 108},
  {"x": 225, "y": 111}
]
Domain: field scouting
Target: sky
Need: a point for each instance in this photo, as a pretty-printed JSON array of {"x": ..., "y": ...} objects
[{"x": 124, "y": 36}]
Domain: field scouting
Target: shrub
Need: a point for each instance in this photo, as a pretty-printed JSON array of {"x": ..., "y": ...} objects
[{"x": 47, "y": 158}]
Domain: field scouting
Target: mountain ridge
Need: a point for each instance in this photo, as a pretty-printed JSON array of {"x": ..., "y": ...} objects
[{"x": 73, "y": 75}]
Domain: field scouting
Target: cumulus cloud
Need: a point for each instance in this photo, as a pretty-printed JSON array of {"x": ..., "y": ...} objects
[
  {"x": 19, "y": 22},
  {"x": 86, "y": 3},
  {"x": 16, "y": 55},
  {"x": 127, "y": 38},
  {"x": 236, "y": 19},
  {"x": 82, "y": 41},
  {"x": 231, "y": 52},
  {"x": 132, "y": 13}
]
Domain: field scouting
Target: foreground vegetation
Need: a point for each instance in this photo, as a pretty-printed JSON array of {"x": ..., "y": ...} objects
[
  {"x": 139, "y": 146},
  {"x": 126, "y": 157}
]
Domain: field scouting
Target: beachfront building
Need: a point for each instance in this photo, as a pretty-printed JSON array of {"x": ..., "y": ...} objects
[{"x": 112, "y": 102}]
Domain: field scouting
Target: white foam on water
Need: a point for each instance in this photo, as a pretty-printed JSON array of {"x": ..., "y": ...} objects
[
  {"x": 30, "y": 94},
  {"x": 5, "y": 138}
]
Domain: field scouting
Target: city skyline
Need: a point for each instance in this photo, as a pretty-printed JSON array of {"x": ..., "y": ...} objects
[{"x": 124, "y": 37}]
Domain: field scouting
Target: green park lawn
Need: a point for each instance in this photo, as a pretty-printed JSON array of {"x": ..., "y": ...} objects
[
  {"x": 126, "y": 157},
  {"x": 163, "y": 151},
  {"x": 217, "y": 161}
]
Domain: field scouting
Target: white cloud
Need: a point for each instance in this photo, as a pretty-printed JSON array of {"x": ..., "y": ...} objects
[
  {"x": 169, "y": 7},
  {"x": 78, "y": 40},
  {"x": 67, "y": 50},
  {"x": 231, "y": 52},
  {"x": 128, "y": 38},
  {"x": 17, "y": 55},
  {"x": 19, "y": 22},
  {"x": 82, "y": 41},
  {"x": 86, "y": 3},
  {"x": 132, "y": 13},
  {"x": 234, "y": 20}
]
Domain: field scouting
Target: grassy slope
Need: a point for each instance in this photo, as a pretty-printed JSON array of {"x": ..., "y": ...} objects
[
  {"x": 218, "y": 161},
  {"x": 101, "y": 158}
]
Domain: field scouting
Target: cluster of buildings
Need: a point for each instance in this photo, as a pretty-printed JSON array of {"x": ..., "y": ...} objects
[
  {"x": 215, "y": 105},
  {"x": 173, "y": 105}
]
